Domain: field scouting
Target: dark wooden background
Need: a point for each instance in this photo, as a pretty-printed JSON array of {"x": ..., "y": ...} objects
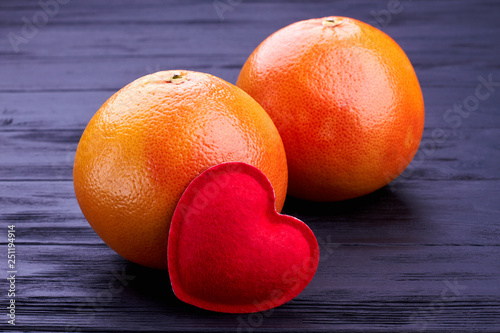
[{"x": 422, "y": 254}]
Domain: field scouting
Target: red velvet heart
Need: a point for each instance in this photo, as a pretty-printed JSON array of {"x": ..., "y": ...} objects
[{"x": 230, "y": 251}]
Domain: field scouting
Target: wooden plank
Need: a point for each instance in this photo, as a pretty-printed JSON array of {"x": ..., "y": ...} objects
[
  {"x": 415, "y": 212},
  {"x": 388, "y": 288},
  {"x": 122, "y": 43},
  {"x": 162, "y": 35},
  {"x": 110, "y": 72},
  {"x": 49, "y": 155},
  {"x": 71, "y": 110}
]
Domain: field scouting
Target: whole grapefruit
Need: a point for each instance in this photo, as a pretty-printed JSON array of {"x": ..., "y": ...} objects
[
  {"x": 149, "y": 140},
  {"x": 346, "y": 101}
]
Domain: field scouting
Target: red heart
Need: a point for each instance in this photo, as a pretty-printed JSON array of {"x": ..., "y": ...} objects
[{"x": 230, "y": 251}]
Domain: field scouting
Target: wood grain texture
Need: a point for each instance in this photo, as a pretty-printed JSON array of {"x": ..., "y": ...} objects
[{"x": 421, "y": 254}]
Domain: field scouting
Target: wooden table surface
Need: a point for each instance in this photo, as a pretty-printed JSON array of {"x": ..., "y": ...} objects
[{"x": 422, "y": 254}]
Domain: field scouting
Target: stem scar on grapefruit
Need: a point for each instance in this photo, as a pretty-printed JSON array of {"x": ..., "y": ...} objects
[
  {"x": 346, "y": 101},
  {"x": 148, "y": 141}
]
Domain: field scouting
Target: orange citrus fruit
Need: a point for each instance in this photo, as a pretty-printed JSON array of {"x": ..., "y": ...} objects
[
  {"x": 346, "y": 101},
  {"x": 149, "y": 140}
]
